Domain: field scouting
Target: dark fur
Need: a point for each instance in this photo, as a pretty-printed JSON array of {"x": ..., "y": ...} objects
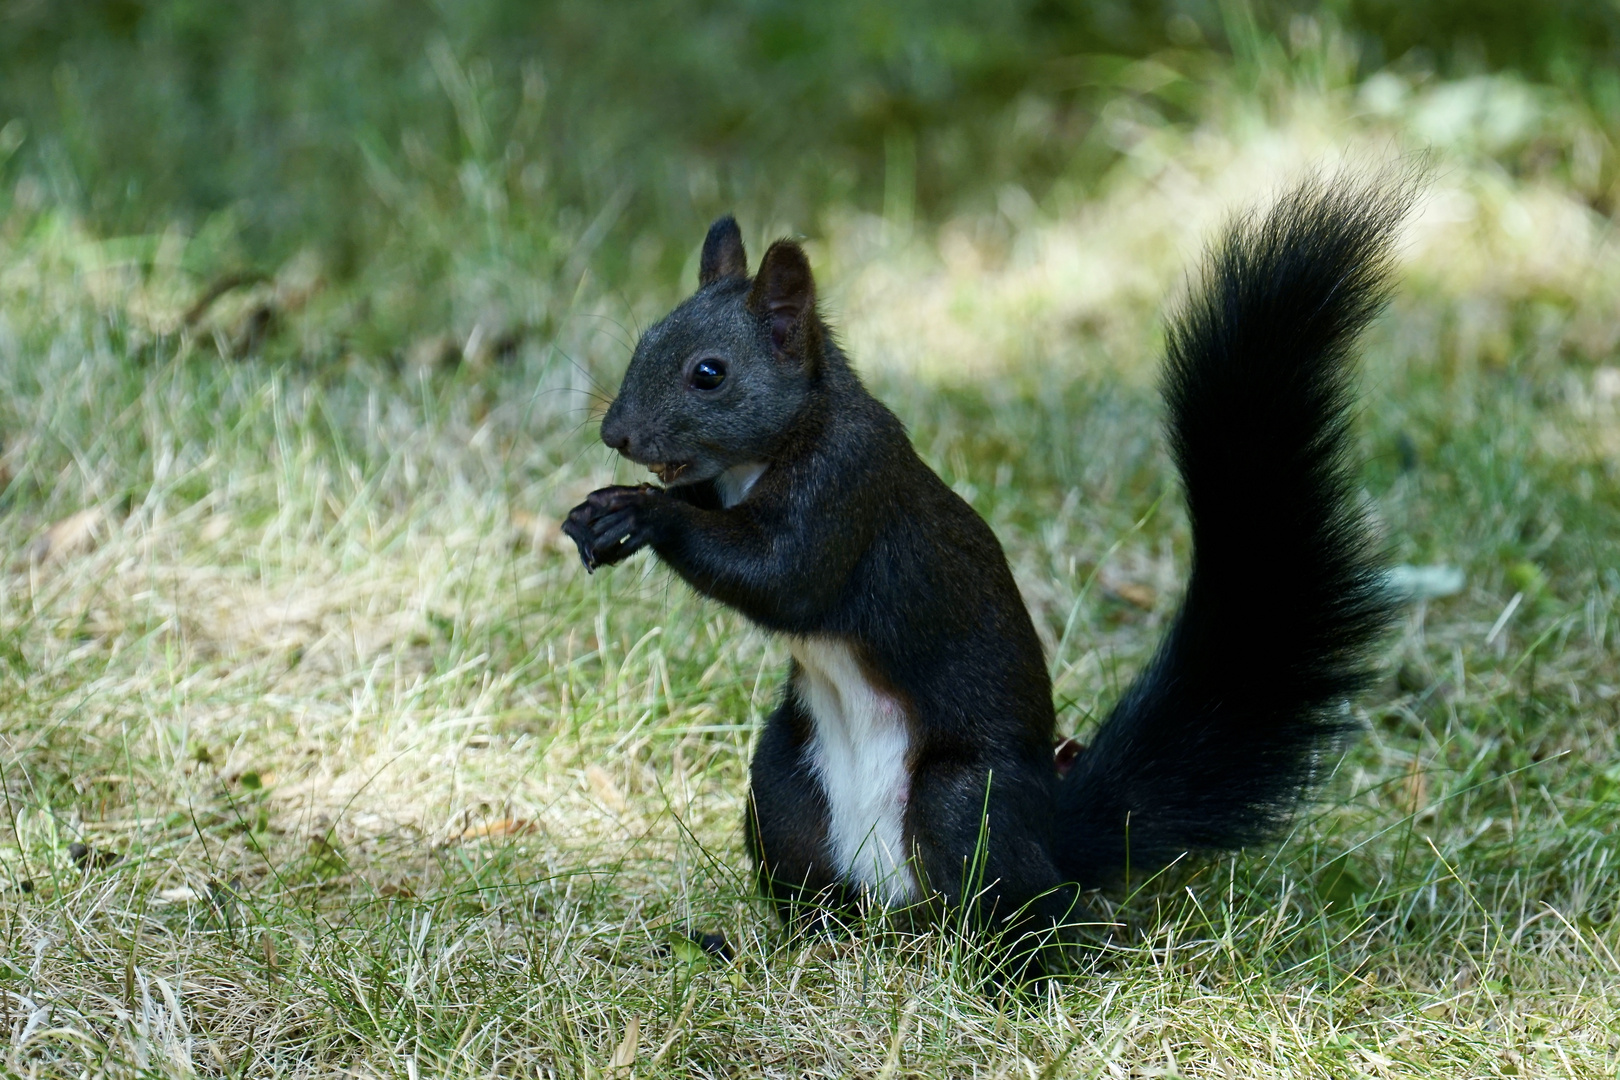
[
  {"x": 1214, "y": 743},
  {"x": 850, "y": 535}
]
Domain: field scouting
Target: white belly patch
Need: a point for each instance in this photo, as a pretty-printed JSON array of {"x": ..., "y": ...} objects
[
  {"x": 858, "y": 752},
  {"x": 736, "y": 482}
]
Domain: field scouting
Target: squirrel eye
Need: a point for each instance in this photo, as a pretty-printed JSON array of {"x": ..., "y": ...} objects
[{"x": 708, "y": 374}]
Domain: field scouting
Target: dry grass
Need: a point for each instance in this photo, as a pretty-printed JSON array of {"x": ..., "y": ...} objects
[{"x": 371, "y": 779}]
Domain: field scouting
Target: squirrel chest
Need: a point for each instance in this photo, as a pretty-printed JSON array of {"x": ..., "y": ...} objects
[{"x": 857, "y": 751}]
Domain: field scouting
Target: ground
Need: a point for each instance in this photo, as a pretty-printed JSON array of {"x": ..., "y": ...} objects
[{"x": 322, "y": 754}]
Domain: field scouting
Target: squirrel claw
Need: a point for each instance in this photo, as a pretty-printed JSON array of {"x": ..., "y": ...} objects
[
  {"x": 605, "y": 526},
  {"x": 578, "y": 529}
]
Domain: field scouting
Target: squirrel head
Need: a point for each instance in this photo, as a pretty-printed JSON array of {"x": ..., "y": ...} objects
[{"x": 721, "y": 380}]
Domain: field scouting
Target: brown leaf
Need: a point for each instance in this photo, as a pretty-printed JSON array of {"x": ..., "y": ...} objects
[
  {"x": 605, "y": 788},
  {"x": 1416, "y": 793},
  {"x": 1132, "y": 593},
  {"x": 75, "y": 534},
  {"x": 624, "y": 1055},
  {"x": 500, "y": 827}
]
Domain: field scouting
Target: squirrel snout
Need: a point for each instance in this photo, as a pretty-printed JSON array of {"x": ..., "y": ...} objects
[{"x": 616, "y": 433}]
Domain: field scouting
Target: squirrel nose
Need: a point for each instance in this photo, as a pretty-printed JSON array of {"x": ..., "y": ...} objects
[{"x": 616, "y": 433}]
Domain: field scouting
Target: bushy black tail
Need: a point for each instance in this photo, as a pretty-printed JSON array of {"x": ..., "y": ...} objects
[{"x": 1215, "y": 743}]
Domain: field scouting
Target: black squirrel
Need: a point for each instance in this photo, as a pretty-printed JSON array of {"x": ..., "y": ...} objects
[{"x": 911, "y": 759}]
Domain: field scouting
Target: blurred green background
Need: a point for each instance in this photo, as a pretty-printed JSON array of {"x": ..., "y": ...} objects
[{"x": 312, "y": 123}]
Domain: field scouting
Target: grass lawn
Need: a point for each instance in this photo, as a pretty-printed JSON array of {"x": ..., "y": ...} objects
[{"x": 322, "y": 755}]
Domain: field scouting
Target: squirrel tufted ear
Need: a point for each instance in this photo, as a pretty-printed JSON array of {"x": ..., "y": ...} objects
[
  {"x": 784, "y": 290},
  {"x": 723, "y": 254}
]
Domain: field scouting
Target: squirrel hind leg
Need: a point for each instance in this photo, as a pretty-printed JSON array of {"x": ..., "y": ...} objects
[
  {"x": 981, "y": 834},
  {"x": 787, "y": 829}
]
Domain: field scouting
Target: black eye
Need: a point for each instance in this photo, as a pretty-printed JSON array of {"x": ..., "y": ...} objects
[{"x": 708, "y": 374}]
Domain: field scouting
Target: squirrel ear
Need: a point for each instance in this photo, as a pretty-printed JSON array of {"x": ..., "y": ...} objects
[
  {"x": 784, "y": 290},
  {"x": 723, "y": 254}
]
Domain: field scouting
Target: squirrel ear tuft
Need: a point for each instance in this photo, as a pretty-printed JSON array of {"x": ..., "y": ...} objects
[
  {"x": 723, "y": 254},
  {"x": 784, "y": 290}
]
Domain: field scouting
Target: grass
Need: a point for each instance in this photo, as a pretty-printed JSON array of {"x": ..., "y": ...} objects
[{"x": 368, "y": 777}]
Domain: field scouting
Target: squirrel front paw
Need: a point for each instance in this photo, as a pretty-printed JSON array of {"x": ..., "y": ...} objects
[{"x": 612, "y": 524}]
